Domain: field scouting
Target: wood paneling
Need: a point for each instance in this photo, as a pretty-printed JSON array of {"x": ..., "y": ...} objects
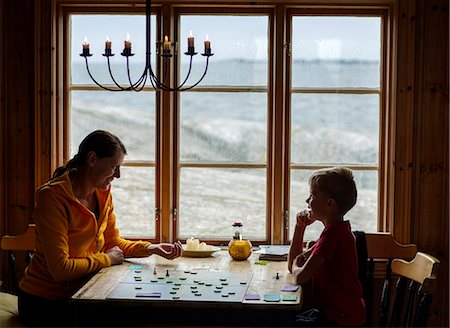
[
  {"x": 430, "y": 206},
  {"x": 3, "y": 262},
  {"x": 19, "y": 113}
]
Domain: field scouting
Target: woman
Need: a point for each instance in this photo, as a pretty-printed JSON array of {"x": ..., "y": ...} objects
[{"x": 76, "y": 233}]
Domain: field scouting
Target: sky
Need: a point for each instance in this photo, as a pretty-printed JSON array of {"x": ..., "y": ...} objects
[{"x": 327, "y": 38}]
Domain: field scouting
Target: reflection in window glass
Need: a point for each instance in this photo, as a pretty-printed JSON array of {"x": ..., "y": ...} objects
[
  {"x": 212, "y": 199},
  {"x": 134, "y": 195},
  {"x": 338, "y": 128},
  {"x": 223, "y": 127},
  {"x": 239, "y": 44},
  {"x": 336, "y": 52},
  {"x": 363, "y": 216}
]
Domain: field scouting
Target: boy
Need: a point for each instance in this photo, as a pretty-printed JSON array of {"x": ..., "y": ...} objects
[{"x": 331, "y": 263}]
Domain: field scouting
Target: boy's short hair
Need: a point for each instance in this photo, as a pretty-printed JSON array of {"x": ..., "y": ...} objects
[{"x": 337, "y": 183}]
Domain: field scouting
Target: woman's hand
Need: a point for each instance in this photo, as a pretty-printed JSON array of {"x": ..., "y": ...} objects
[
  {"x": 304, "y": 218},
  {"x": 115, "y": 255},
  {"x": 168, "y": 251}
]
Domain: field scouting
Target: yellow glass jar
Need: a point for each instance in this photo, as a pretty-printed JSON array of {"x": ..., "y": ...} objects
[{"x": 239, "y": 250}]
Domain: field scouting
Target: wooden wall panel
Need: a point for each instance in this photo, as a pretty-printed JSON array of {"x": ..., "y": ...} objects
[
  {"x": 430, "y": 225},
  {"x": 17, "y": 116},
  {"x": 404, "y": 122},
  {"x": 3, "y": 262}
]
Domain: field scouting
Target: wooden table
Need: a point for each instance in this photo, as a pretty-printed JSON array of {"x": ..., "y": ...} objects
[{"x": 92, "y": 300}]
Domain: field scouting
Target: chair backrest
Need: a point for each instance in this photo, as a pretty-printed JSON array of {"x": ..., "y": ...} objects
[
  {"x": 421, "y": 273},
  {"x": 23, "y": 242},
  {"x": 382, "y": 248}
]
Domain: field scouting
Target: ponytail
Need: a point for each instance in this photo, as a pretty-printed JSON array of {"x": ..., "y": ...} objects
[{"x": 72, "y": 164}]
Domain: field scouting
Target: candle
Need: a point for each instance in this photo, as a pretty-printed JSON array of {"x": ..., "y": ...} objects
[
  {"x": 107, "y": 43},
  {"x": 127, "y": 42},
  {"x": 85, "y": 48},
  {"x": 190, "y": 40},
  {"x": 85, "y": 43},
  {"x": 166, "y": 46},
  {"x": 207, "y": 46}
]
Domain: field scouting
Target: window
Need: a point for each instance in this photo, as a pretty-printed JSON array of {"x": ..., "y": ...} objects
[
  {"x": 223, "y": 132},
  {"x": 131, "y": 116},
  {"x": 335, "y": 108},
  {"x": 223, "y": 138}
]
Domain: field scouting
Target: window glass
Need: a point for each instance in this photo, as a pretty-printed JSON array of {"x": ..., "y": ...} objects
[
  {"x": 339, "y": 128},
  {"x": 212, "y": 199},
  {"x": 240, "y": 48},
  {"x": 129, "y": 115},
  {"x": 223, "y": 127},
  {"x": 330, "y": 128},
  {"x": 96, "y": 28},
  {"x": 227, "y": 127},
  {"x": 332, "y": 52},
  {"x": 134, "y": 195}
]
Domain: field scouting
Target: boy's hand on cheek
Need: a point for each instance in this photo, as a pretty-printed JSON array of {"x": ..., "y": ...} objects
[{"x": 303, "y": 218}]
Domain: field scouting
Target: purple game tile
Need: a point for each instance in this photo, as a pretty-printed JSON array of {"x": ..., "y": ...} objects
[
  {"x": 289, "y": 288},
  {"x": 252, "y": 297}
]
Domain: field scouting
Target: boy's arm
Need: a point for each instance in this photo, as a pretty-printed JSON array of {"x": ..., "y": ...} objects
[
  {"x": 296, "y": 248},
  {"x": 304, "y": 273},
  {"x": 296, "y": 244}
]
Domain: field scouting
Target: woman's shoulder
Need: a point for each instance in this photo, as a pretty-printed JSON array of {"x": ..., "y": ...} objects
[{"x": 55, "y": 188}]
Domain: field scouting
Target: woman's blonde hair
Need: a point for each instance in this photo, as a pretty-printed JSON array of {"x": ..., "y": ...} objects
[{"x": 337, "y": 183}]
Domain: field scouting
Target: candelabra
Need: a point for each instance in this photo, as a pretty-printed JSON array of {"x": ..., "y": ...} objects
[{"x": 148, "y": 71}]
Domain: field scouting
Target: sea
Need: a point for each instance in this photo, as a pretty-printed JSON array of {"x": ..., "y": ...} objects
[{"x": 339, "y": 128}]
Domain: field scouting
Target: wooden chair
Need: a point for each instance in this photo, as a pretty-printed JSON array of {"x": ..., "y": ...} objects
[
  {"x": 9, "y": 312},
  {"x": 421, "y": 272},
  {"x": 382, "y": 249},
  {"x": 23, "y": 242}
]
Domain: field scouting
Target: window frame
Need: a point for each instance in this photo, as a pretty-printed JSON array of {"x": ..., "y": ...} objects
[
  {"x": 68, "y": 87},
  {"x": 278, "y": 90}
]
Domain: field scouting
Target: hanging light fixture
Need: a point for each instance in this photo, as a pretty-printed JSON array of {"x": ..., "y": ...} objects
[{"x": 163, "y": 49}]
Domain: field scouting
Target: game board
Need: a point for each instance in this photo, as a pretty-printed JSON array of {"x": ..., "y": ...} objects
[{"x": 204, "y": 286}]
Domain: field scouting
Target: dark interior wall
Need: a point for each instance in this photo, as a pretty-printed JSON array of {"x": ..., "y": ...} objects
[
  {"x": 17, "y": 115},
  {"x": 18, "y": 105},
  {"x": 20, "y": 98},
  {"x": 430, "y": 210}
]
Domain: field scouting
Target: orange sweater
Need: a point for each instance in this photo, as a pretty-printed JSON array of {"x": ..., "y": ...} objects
[{"x": 70, "y": 242}]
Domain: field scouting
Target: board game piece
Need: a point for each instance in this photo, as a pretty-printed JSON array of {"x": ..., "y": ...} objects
[
  {"x": 152, "y": 294},
  {"x": 278, "y": 276},
  {"x": 272, "y": 297},
  {"x": 289, "y": 288},
  {"x": 289, "y": 297},
  {"x": 252, "y": 297},
  {"x": 167, "y": 273},
  {"x": 154, "y": 270}
]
